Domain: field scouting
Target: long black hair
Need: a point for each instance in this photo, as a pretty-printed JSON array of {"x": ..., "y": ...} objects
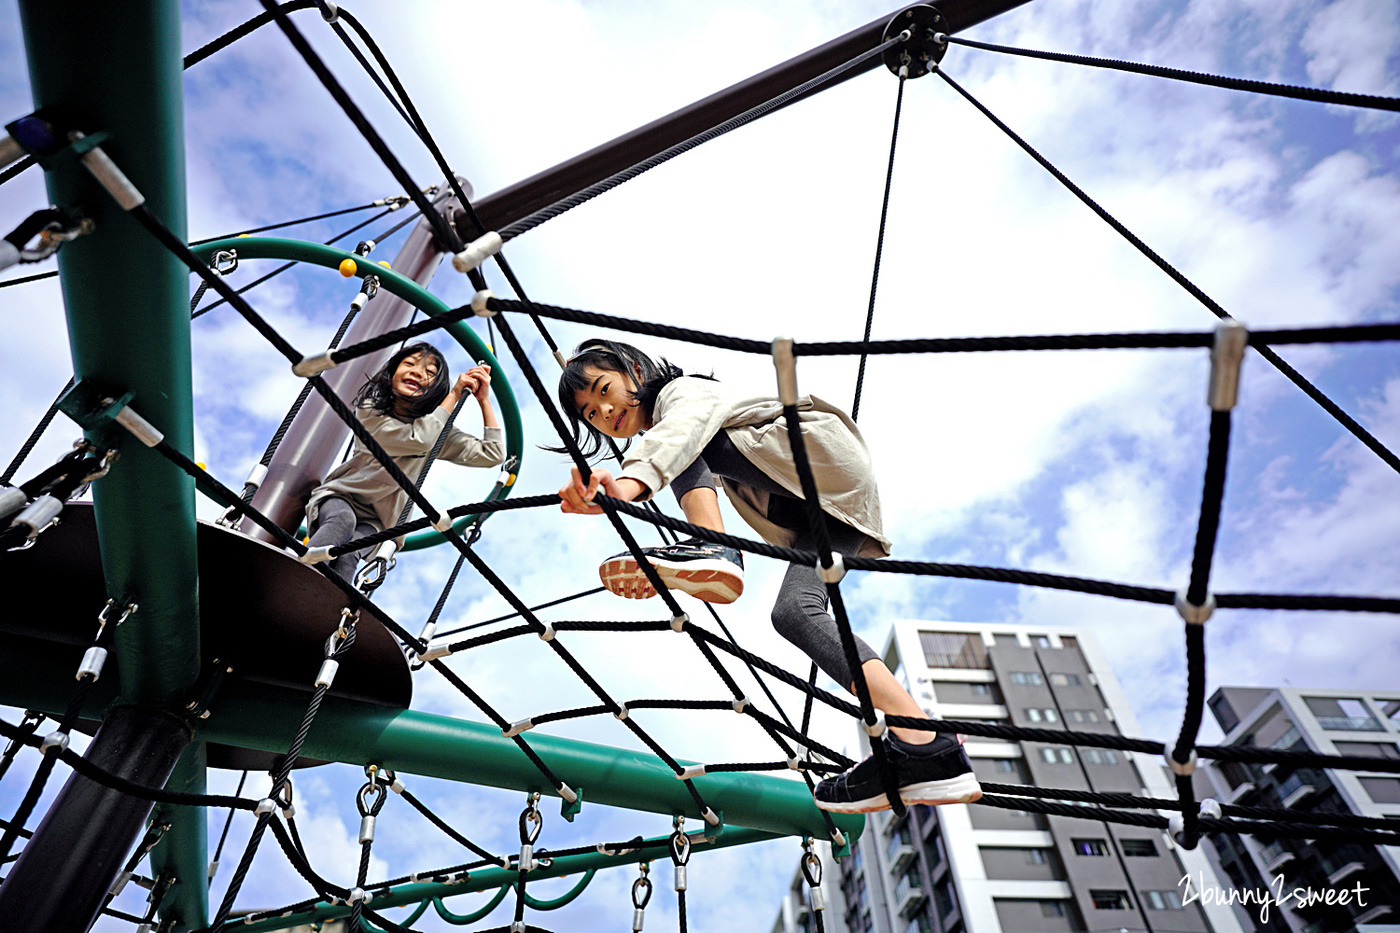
[
  {"x": 378, "y": 390},
  {"x": 651, "y": 376}
]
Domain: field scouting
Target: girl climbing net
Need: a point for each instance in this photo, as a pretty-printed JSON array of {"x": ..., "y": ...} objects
[
  {"x": 405, "y": 406},
  {"x": 695, "y": 429}
]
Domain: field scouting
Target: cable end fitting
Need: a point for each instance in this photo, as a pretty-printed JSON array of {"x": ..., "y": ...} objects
[
  {"x": 678, "y": 622},
  {"x": 622, "y": 712},
  {"x": 835, "y": 572},
  {"x": 741, "y": 704},
  {"x": 785, "y": 362},
  {"x": 329, "y": 11},
  {"x": 102, "y": 168},
  {"x": 877, "y": 728},
  {"x": 1182, "y": 769},
  {"x": 1210, "y": 808},
  {"x": 524, "y": 725},
  {"x": 1226, "y": 356},
  {"x": 443, "y": 524},
  {"x": 315, "y": 365},
  {"x": 478, "y": 251},
  {"x": 316, "y": 555},
  {"x": 710, "y": 817},
  {"x": 690, "y": 772},
  {"x": 1191, "y": 613},
  {"x": 479, "y": 300},
  {"x": 265, "y": 807},
  {"x": 548, "y": 633},
  {"x": 145, "y": 432},
  {"x": 93, "y": 660},
  {"x": 434, "y": 652}
]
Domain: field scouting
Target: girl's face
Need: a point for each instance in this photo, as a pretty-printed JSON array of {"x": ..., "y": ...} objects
[
  {"x": 607, "y": 405},
  {"x": 416, "y": 373}
]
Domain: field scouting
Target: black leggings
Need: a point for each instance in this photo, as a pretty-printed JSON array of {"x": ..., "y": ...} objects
[
  {"x": 800, "y": 613},
  {"x": 337, "y": 523}
]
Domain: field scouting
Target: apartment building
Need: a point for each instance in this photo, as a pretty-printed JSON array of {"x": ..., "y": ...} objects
[
  {"x": 979, "y": 869},
  {"x": 1334, "y": 722}
]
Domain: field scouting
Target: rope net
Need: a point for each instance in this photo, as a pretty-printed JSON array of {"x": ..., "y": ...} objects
[{"x": 795, "y": 748}]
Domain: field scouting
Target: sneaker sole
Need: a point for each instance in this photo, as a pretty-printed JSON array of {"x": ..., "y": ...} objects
[
  {"x": 961, "y": 789},
  {"x": 711, "y": 581}
]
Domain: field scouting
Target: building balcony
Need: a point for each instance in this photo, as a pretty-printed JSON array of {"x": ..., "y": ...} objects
[
  {"x": 1239, "y": 792},
  {"x": 1343, "y": 863},
  {"x": 1349, "y": 724},
  {"x": 1275, "y": 856},
  {"x": 1298, "y": 785},
  {"x": 900, "y": 854},
  {"x": 1375, "y": 913},
  {"x": 907, "y": 896}
]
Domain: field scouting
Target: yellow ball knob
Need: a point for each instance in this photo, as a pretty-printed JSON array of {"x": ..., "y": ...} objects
[
  {"x": 348, "y": 267},
  {"x": 385, "y": 264}
]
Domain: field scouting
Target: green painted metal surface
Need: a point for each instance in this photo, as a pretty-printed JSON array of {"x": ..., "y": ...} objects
[
  {"x": 117, "y": 68},
  {"x": 331, "y": 257},
  {"x": 485, "y": 879},
  {"x": 263, "y": 717},
  {"x": 184, "y": 850}
]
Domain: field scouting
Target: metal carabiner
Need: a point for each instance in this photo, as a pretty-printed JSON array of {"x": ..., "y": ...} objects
[{"x": 224, "y": 262}]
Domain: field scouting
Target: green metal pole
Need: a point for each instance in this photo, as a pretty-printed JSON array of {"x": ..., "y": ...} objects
[
  {"x": 265, "y": 717},
  {"x": 486, "y": 879},
  {"x": 116, "y": 67}
]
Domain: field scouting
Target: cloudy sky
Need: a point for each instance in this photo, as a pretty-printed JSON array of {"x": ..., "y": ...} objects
[{"x": 1081, "y": 463}]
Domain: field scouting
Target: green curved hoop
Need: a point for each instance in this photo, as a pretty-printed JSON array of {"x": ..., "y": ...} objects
[
  {"x": 475, "y": 915},
  {"x": 418, "y": 912},
  {"x": 331, "y": 257}
]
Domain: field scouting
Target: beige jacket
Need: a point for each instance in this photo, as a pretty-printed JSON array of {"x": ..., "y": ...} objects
[
  {"x": 690, "y": 411},
  {"x": 369, "y": 489}
]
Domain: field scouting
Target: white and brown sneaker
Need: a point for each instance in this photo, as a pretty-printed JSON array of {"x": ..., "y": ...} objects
[{"x": 709, "y": 572}]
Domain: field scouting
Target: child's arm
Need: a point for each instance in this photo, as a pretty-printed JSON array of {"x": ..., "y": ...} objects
[{"x": 461, "y": 447}]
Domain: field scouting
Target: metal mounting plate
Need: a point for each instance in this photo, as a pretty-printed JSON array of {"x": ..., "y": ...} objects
[{"x": 921, "y": 53}]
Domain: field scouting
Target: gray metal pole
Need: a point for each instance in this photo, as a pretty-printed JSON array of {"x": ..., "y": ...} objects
[{"x": 308, "y": 451}]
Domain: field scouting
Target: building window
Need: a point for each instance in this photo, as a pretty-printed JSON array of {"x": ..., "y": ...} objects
[
  {"x": 1081, "y": 715},
  {"x": 1094, "y": 847},
  {"x": 1035, "y": 856},
  {"x": 1040, "y": 641},
  {"x": 949, "y": 649},
  {"x": 1057, "y": 756},
  {"x": 1007, "y": 765},
  {"x": 1382, "y": 790},
  {"x": 1163, "y": 900},
  {"x": 1111, "y": 900},
  {"x": 1027, "y": 678},
  {"x": 1042, "y": 715},
  {"x": 1069, "y": 641},
  {"x": 1368, "y": 749},
  {"x": 1066, "y": 680},
  {"x": 980, "y": 690},
  {"x": 1138, "y": 847},
  {"x": 1052, "y": 909},
  {"x": 1100, "y": 756}
]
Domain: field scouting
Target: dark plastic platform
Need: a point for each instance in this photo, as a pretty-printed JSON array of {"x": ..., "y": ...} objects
[{"x": 262, "y": 613}]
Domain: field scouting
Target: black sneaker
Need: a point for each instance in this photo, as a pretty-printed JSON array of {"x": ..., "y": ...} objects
[
  {"x": 931, "y": 774},
  {"x": 710, "y": 572}
]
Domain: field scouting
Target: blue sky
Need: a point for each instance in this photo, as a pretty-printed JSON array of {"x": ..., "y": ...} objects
[{"x": 1088, "y": 464}]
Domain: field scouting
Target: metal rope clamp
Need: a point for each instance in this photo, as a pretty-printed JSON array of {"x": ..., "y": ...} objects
[
  {"x": 369, "y": 802},
  {"x": 680, "y": 852},
  {"x": 641, "y": 896},
  {"x": 528, "y": 834},
  {"x": 1190, "y": 612},
  {"x": 812, "y": 872}
]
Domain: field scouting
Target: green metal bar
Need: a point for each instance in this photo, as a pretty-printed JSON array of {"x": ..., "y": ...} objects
[
  {"x": 419, "y": 297},
  {"x": 564, "y": 899},
  {"x": 184, "y": 851},
  {"x": 485, "y": 879},
  {"x": 265, "y": 717},
  {"x": 262, "y": 716},
  {"x": 473, "y": 916},
  {"x": 117, "y": 68}
]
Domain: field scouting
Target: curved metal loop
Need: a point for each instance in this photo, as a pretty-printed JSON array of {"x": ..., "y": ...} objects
[
  {"x": 812, "y": 869},
  {"x": 641, "y": 888},
  {"x": 680, "y": 846},
  {"x": 276, "y": 794},
  {"x": 224, "y": 261},
  {"x": 371, "y": 798},
  {"x": 531, "y": 814}
]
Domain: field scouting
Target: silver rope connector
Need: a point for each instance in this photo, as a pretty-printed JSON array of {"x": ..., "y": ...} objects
[
  {"x": 93, "y": 660},
  {"x": 434, "y": 652},
  {"x": 622, "y": 712},
  {"x": 145, "y": 432},
  {"x": 479, "y": 303},
  {"x": 877, "y": 728},
  {"x": 102, "y": 168},
  {"x": 740, "y": 704},
  {"x": 1226, "y": 356},
  {"x": 58, "y": 740},
  {"x": 690, "y": 772},
  {"x": 12, "y": 499},
  {"x": 316, "y": 555},
  {"x": 315, "y": 364},
  {"x": 326, "y": 676},
  {"x": 265, "y": 807},
  {"x": 42, "y": 513},
  {"x": 1186, "y": 768},
  {"x": 641, "y": 895},
  {"x": 836, "y": 572},
  {"x": 478, "y": 251},
  {"x": 1191, "y": 613},
  {"x": 786, "y": 364},
  {"x": 524, "y": 725},
  {"x": 443, "y": 523},
  {"x": 678, "y": 622},
  {"x": 548, "y": 633}
]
